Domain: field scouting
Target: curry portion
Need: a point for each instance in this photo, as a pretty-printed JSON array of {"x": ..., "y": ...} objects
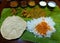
[{"x": 42, "y": 28}]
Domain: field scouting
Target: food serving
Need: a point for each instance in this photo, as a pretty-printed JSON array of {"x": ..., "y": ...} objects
[
  {"x": 35, "y": 15},
  {"x": 51, "y": 4},
  {"x": 41, "y": 27},
  {"x": 31, "y": 3},
  {"x": 42, "y": 3},
  {"x": 13, "y": 4},
  {"x": 35, "y": 12},
  {"x": 13, "y": 27},
  {"x": 23, "y": 3}
]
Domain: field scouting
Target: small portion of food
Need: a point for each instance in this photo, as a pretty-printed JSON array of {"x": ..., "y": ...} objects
[
  {"x": 26, "y": 13},
  {"x": 31, "y": 3},
  {"x": 41, "y": 27},
  {"x": 14, "y": 11},
  {"x": 51, "y": 4},
  {"x": 13, "y": 27},
  {"x": 23, "y": 3},
  {"x": 35, "y": 12},
  {"x": 42, "y": 3},
  {"x": 13, "y": 3}
]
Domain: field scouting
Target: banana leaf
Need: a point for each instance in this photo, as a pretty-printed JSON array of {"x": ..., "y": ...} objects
[{"x": 55, "y": 15}]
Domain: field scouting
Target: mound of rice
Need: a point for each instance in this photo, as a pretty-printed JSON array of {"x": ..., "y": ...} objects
[
  {"x": 13, "y": 27},
  {"x": 31, "y": 26}
]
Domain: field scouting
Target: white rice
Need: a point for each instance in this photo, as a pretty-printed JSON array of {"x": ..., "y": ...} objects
[{"x": 33, "y": 23}]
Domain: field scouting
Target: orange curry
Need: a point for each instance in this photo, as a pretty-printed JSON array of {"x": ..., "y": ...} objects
[{"x": 42, "y": 28}]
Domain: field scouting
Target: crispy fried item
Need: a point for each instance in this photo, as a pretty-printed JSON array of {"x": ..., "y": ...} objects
[
  {"x": 25, "y": 13},
  {"x": 14, "y": 11}
]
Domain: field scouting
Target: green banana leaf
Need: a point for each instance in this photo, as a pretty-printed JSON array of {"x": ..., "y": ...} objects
[{"x": 55, "y": 15}]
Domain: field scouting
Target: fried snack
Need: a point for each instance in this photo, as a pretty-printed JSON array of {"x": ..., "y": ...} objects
[
  {"x": 14, "y": 11},
  {"x": 26, "y": 13}
]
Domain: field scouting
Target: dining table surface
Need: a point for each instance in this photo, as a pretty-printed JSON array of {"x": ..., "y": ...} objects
[{"x": 5, "y": 4}]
